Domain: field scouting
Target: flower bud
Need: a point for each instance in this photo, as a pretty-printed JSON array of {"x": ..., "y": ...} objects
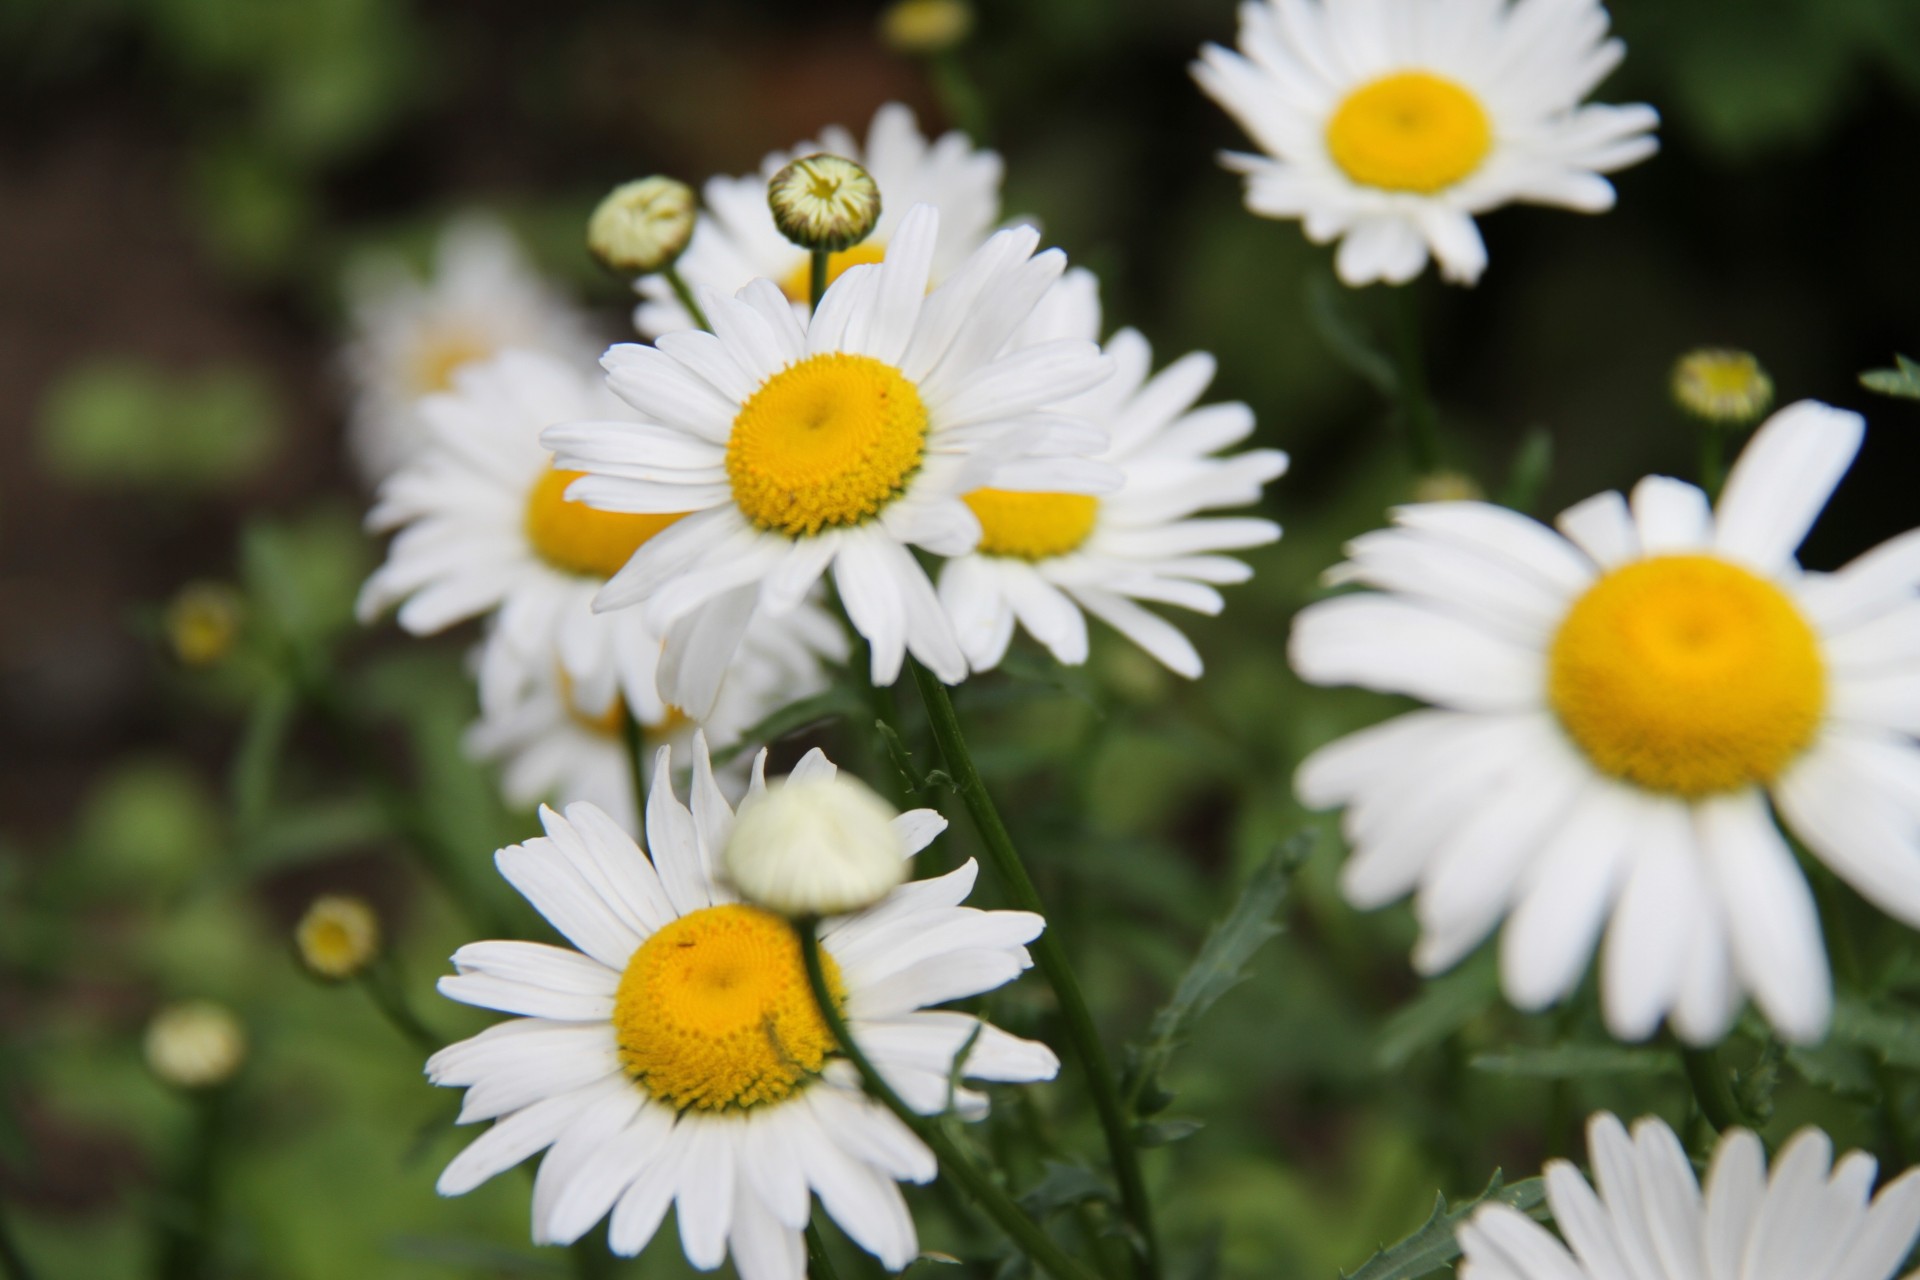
[
  {"x": 1722, "y": 386},
  {"x": 338, "y": 937},
  {"x": 926, "y": 27},
  {"x": 1447, "y": 486},
  {"x": 642, "y": 226},
  {"x": 824, "y": 202},
  {"x": 202, "y": 623},
  {"x": 195, "y": 1045},
  {"x": 820, "y": 846}
]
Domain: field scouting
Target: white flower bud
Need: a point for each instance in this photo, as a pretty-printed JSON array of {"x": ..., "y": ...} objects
[
  {"x": 195, "y": 1045},
  {"x": 642, "y": 226},
  {"x": 824, "y": 202},
  {"x": 817, "y": 847}
]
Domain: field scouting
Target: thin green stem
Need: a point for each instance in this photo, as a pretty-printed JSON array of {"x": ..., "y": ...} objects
[
  {"x": 682, "y": 292},
  {"x": 186, "y": 1235},
  {"x": 1712, "y": 1088},
  {"x": 959, "y": 96},
  {"x": 383, "y": 987},
  {"x": 1416, "y": 400},
  {"x": 1713, "y": 458},
  {"x": 955, "y": 1163},
  {"x": 1052, "y": 959},
  {"x": 636, "y": 737},
  {"x": 13, "y": 1263},
  {"x": 817, "y": 277},
  {"x": 819, "y": 1261}
]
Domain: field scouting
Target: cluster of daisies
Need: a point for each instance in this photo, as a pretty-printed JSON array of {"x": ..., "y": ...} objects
[{"x": 910, "y": 441}]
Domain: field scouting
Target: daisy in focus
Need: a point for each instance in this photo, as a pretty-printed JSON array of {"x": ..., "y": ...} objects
[
  {"x": 410, "y": 335},
  {"x": 1621, "y": 709},
  {"x": 838, "y": 441},
  {"x": 1650, "y": 1218},
  {"x": 1045, "y": 557},
  {"x": 485, "y": 527},
  {"x": 676, "y": 1058},
  {"x": 735, "y": 240},
  {"x": 1389, "y": 125}
]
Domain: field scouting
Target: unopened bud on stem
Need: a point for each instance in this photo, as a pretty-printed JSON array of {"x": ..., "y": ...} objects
[
  {"x": 823, "y": 202},
  {"x": 642, "y": 226}
]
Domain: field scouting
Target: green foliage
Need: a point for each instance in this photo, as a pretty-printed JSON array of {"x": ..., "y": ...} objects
[
  {"x": 127, "y": 423},
  {"x": 1903, "y": 380},
  {"x": 1572, "y": 1061},
  {"x": 1433, "y": 1246}
]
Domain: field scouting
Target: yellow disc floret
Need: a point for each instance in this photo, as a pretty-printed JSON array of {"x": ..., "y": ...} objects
[
  {"x": 714, "y": 1011},
  {"x": 1410, "y": 131},
  {"x": 1687, "y": 674},
  {"x": 798, "y": 284},
  {"x": 431, "y": 365},
  {"x": 580, "y": 539},
  {"x": 1032, "y": 526},
  {"x": 826, "y": 442}
]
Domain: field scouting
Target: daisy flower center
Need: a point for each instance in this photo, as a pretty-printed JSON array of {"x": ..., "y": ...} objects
[
  {"x": 1410, "y": 131},
  {"x": 612, "y": 723},
  {"x": 1032, "y": 526},
  {"x": 576, "y": 538},
  {"x": 714, "y": 1011},
  {"x": 1687, "y": 674},
  {"x": 826, "y": 442},
  {"x": 798, "y": 284},
  {"x": 438, "y": 354}
]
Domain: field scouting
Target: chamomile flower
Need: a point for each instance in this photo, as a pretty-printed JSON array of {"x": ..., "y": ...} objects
[
  {"x": 410, "y": 335},
  {"x": 1646, "y": 1215},
  {"x": 1044, "y": 557},
  {"x": 485, "y": 527},
  {"x": 835, "y": 443},
  {"x": 1389, "y": 124},
  {"x": 676, "y": 1058},
  {"x": 735, "y": 240},
  {"x": 1622, "y": 708}
]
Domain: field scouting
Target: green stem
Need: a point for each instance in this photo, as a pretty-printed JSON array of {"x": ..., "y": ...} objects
[
  {"x": 13, "y": 1263},
  {"x": 819, "y": 1261},
  {"x": 1416, "y": 400},
  {"x": 383, "y": 987},
  {"x": 1052, "y": 959},
  {"x": 682, "y": 292},
  {"x": 1711, "y": 1088},
  {"x": 1713, "y": 459},
  {"x": 817, "y": 277},
  {"x": 636, "y": 736},
  {"x": 959, "y": 97},
  {"x": 186, "y": 1240},
  {"x": 955, "y": 1163}
]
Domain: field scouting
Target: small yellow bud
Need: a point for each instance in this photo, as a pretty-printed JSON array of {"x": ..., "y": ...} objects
[
  {"x": 824, "y": 202},
  {"x": 1722, "y": 386},
  {"x": 817, "y": 847},
  {"x": 926, "y": 27},
  {"x": 1447, "y": 486},
  {"x": 195, "y": 1045},
  {"x": 338, "y": 937},
  {"x": 202, "y": 623},
  {"x": 642, "y": 226}
]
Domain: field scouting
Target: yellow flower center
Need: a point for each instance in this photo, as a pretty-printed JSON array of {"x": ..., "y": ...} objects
[
  {"x": 580, "y": 539},
  {"x": 1687, "y": 674},
  {"x": 1410, "y": 131},
  {"x": 612, "y": 723},
  {"x": 434, "y": 360},
  {"x": 827, "y": 441},
  {"x": 799, "y": 282},
  {"x": 714, "y": 1011},
  {"x": 1032, "y": 526}
]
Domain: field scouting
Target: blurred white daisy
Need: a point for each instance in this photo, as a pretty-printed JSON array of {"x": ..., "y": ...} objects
[
  {"x": 1388, "y": 124},
  {"x": 1615, "y": 710},
  {"x": 1044, "y": 557},
  {"x": 1649, "y": 1218},
  {"x": 735, "y": 241},
  {"x": 485, "y": 528},
  {"x": 410, "y": 335},
  {"x": 677, "y": 1058},
  {"x": 840, "y": 442}
]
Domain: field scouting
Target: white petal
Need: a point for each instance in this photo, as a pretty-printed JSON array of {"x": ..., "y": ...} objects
[{"x": 1782, "y": 479}]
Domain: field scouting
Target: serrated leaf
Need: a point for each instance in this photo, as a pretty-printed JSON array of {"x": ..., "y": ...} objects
[
  {"x": 1569, "y": 1061},
  {"x": 1903, "y": 380},
  {"x": 1433, "y": 1246},
  {"x": 1893, "y": 1035},
  {"x": 1443, "y": 1007},
  {"x": 1837, "y": 1068},
  {"x": 1217, "y": 969}
]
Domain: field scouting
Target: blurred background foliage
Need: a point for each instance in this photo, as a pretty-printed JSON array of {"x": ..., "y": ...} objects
[{"x": 181, "y": 184}]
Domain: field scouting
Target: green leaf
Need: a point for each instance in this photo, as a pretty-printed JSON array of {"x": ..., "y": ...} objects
[
  {"x": 1569, "y": 1061},
  {"x": 1433, "y": 1246},
  {"x": 1902, "y": 381},
  {"x": 1442, "y": 1008},
  {"x": 1161, "y": 1133},
  {"x": 1838, "y": 1068},
  {"x": 121, "y": 422},
  {"x": 1217, "y": 969},
  {"x": 835, "y": 703},
  {"x": 1892, "y": 1035},
  {"x": 1063, "y": 1186},
  {"x": 1532, "y": 463},
  {"x": 1327, "y": 311}
]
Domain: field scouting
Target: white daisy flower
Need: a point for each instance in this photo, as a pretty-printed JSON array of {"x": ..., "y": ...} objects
[
  {"x": 1388, "y": 124},
  {"x": 1615, "y": 708},
  {"x": 677, "y": 1057},
  {"x": 1649, "y": 1218},
  {"x": 839, "y": 441},
  {"x": 735, "y": 241},
  {"x": 1044, "y": 557},
  {"x": 410, "y": 335},
  {"x": 485, "y": 528}
]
